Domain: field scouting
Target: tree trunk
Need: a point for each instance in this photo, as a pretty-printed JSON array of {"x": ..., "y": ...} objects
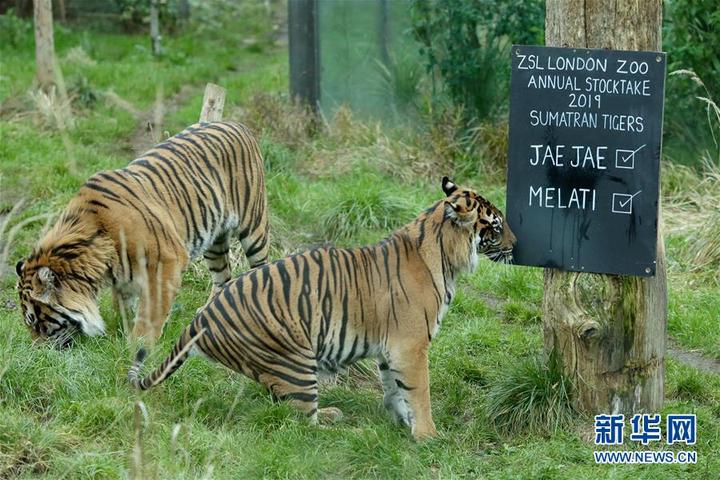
[
  {"x": 608, "y": 331},
  {"x": 44, "y": 44}
]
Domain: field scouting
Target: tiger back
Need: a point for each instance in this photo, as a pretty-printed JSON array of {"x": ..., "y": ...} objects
[{"x": 138, "y": 227}]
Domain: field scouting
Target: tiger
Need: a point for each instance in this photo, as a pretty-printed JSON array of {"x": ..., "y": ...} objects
[
  {"x": 137, "y": 228},
  {"x": 315, "y": 313}
]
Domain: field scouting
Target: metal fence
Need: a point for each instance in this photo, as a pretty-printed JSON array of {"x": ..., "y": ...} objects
[{"x": 359, "y": 53}]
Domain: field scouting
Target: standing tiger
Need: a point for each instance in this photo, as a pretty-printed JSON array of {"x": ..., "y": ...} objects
[
  {"x": 321, "y": 310},
  {"x": 137, "y": 228}
]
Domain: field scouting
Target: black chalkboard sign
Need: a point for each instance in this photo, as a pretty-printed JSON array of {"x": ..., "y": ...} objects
[{"x": 584, "y": 158}]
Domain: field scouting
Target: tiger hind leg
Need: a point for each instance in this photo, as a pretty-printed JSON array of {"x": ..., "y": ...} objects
[
  {"x": 217, "y": 259},
  {"x": 302, "y": 393},
  {"x": 256, "y": 246}
]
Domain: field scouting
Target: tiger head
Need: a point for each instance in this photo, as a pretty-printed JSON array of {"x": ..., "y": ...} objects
[
  {"x": 489, "y": 234},
  {"x": 58, "y": 284}
]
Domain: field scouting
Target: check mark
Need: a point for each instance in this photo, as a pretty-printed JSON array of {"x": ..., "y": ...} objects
[
  {"x": 626, "y": 158},
  {"x": 622, "y": 202}
]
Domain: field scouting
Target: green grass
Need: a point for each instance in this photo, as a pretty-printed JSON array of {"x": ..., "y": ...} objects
[
  {"x": 694, "y": 316},
  {"x": 532, "y": 396},
  {"x": 71, "y": 414},
  {"x": 362, "y": 202}
]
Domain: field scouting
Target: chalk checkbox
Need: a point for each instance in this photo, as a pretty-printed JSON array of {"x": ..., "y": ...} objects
[
  {"x": 626, "y": 158},
  {"x": 623, "y": 203}
]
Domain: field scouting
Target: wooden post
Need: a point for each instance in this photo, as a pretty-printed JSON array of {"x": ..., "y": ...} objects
[
  {"x": 62, "y": 10},
  {"x": 608, "y": 331},
  {"x": 384, "y": 33},
  {"x": 213, "y": 103},
  {"x": 304, "y": 51},
  {"x": 155, "y": 29},
  {"x": 158, "y": 117},
  {"x": 184, "y": 10},
  {"x": 44, "y": 44}
]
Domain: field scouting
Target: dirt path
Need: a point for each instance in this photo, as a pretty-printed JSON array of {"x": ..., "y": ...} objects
[
  {"x": 150, "y": 127},
  {"x": 693, "y": 358}
]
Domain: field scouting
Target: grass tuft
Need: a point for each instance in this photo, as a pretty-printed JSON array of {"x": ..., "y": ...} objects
[
  {"x": 51, "y": 109},
  {"x": 533, "y": 397},
  {"x": 691, "y": 387},
  {"x": 279, "y": 118},
  {"x": 400, "y": 81},
  {"x": 691, "y": 214},
  {"x": 705, "y": 247},
  {"x": 277, "y": 157},
  {"x": 522, "y": 313},
  {"x": 360, "y": 205}
]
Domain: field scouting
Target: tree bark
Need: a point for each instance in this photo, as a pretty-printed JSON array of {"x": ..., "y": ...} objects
[
  {"x": 608, "y": 331},
  {"x": 44, "y": 44}
]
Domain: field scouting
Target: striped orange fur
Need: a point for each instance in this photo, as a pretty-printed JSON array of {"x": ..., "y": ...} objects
[
  {"x": 285, "y": 323},
  {"x": 138, "y": 227}
]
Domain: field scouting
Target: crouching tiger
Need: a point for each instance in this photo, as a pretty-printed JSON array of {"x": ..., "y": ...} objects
[
  {"x": 321, "y": 310},
  {"x": 138, "y": 227}
]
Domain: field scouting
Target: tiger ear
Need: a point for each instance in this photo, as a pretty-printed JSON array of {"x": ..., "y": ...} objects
[
  {"x": 460, "y": 213},
  {"x": 448, "y": 186},
  {"x": 19, "y": 267},
  {"x": 45, "y": 284}
]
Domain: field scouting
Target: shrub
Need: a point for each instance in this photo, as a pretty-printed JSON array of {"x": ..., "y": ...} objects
[
  {"x": 467, "y": 43},
  {"x": 14, "y": 31},
  {"x": 281, "y": 119},
  {"x": 691, "y": 36},
  {"x": 256, "y": 16},
  {"x": 401, "y": 78},
  {"x": 136, "y": 13},
  {"x": 82, "y": 92}
]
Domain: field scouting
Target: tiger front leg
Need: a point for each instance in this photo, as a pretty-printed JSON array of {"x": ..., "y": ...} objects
[
  {"x": 157, "y": 293},
  {"x": 125, "y": 302},
  {"x": 410, "y": 372}
]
